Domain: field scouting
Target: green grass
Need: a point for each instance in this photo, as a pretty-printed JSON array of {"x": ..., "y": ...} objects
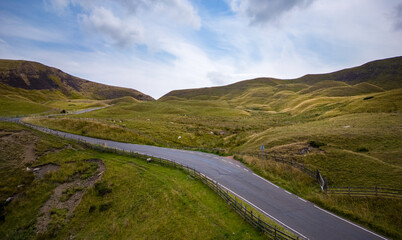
[
  {"x": 143, "y": 201},
  {"x": 285, "y": 123},
  {"x": 13, "y": 105},
  {"x": 16, "y": 101},
  {"x": 377, "y": 213},
  {"x": 355, "y": 114},
  {"x": 151, "y": 201}
]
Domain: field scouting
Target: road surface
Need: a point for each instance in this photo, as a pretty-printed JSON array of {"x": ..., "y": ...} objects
[{"x": 298, "y": 215}]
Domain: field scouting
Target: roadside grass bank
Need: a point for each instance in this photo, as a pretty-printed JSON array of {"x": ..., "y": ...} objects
[
  {"x": 380, "y": 214},
  {"x": 133, "y": 200}
]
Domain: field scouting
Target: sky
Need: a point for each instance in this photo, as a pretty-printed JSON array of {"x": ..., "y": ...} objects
[{"x": 156, "y": 46}]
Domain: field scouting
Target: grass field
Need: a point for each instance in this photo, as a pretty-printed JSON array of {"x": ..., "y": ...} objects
[
  {"x": 347, "y": 124},
  {"x": 359, "y": 134},
  {"x": 134, "y": 200}
]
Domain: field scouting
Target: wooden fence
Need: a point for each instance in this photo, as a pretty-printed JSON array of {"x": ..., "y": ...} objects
[
  {"x": 271, "y": 231},
  {"x": 365, "y": 191},
  {"x": 236, "y": 204},
  {"x": 349, "y": 190}
]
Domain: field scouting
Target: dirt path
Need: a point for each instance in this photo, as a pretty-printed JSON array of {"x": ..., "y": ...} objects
[
  {"x": 67, "y": 196},
  {"x": 21, "y": 145}
]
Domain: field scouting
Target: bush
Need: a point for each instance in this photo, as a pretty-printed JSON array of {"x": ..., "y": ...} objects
[
  {"x": 102, "y": 189},
  {"x": 92, "y": 208},
  {"x": 362, "y": 149},
  {"x": 105, "y": 206},
  {"x": 316, "y": 144}
]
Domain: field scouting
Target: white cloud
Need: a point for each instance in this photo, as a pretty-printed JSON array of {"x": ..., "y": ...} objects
[
  {"x": 263, "y": 11},
  {"x": 398, "y": 17},
  {"x": 57, "y": 5},
  {"x": 180, "y": 11},
  {"x": 125, "y": 22},
  {"x": 3, "y": 42},
  {"x": 173, "y": 54},
  {"x": 121, "y": 32}
]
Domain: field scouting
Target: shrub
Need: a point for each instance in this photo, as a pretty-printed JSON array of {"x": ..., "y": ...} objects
[
  {"x": 316, "y": 144},
  {"x": 102, "y": 189},
  {"x": 92, "y": 208},
  {"x": 362, "y": 149},
  {"x": 105, "y": 206}
]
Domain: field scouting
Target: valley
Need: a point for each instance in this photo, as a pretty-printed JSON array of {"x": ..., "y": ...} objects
[{"x": 347, "y": 124}]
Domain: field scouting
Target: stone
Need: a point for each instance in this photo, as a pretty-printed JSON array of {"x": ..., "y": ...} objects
[{"x": 8, "y": 200}]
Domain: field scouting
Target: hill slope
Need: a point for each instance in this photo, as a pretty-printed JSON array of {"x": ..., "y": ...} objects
[
  {"x": 347, "y": 127},
  {"x": 35, "y": 76},
  {"x": 374, "y": 76}
]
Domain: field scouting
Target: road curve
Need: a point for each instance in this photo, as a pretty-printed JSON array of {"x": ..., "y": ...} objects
[{"x": 298, "y": 215}]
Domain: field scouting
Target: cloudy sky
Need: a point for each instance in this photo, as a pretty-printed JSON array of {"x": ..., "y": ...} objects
[{"x": 156, "y": 46}]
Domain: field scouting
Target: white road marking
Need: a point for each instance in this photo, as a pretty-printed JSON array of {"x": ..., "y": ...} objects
[
  {"x": 245, "y": 169},
  {"x": 288, "y": 192},
  {"x": 238, "y": 166},
  {"x": 302, "y": 199},
  {"x": 267, "y": 214},
  {"x": 350, "y": 222},
  {"x": 265, "y": 180}
]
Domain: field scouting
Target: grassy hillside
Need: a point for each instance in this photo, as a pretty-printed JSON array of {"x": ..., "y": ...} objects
[
  {"x": 355, "y": 121},
  {"x": 32, "y": 88},
  {"x": 84, "y": 194},
  {"x": 36, "y": 76},
  {"x": 351, "y": 128},
  {"x": 371, "y": 77}
]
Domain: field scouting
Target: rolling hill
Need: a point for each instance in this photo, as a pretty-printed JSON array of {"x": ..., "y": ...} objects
[
  {"x": 35, "y": 76},
  {"x": 376, "y": 76},
  {"x": 352, "y": 115}
]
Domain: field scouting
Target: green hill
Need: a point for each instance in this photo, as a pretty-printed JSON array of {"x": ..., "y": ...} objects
[
  {"x": 35, "y": 76},
  {"x": 347, "y": 124},
  {"x": 30, "y": 87},
  {"x": 372, "y": 77}
]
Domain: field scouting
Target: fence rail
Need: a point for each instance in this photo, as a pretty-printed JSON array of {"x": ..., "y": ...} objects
[
  {"x": 365, "y": 191},
  {"x": 247, "y": 214},
  {"x": 271, "y": 231}
]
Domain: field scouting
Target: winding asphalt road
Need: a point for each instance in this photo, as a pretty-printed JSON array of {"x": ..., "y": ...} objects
[{"x": 298, "y": 215}]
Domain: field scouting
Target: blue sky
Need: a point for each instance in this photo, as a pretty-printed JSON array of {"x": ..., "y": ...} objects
[{"x": 156, "y": 46}]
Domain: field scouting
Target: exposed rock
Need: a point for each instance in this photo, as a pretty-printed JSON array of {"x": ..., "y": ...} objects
[
  {"x": 304, "y": 151},
  {"x": 41, "y": 170},
  {"x": 57, "y": 202},
  {"x": 8, "y": 200}
]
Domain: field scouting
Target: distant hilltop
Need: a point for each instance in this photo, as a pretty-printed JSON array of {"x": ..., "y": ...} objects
[
  {"x": 35, "y": 76},
  {"x": 374, "y": 76}
]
